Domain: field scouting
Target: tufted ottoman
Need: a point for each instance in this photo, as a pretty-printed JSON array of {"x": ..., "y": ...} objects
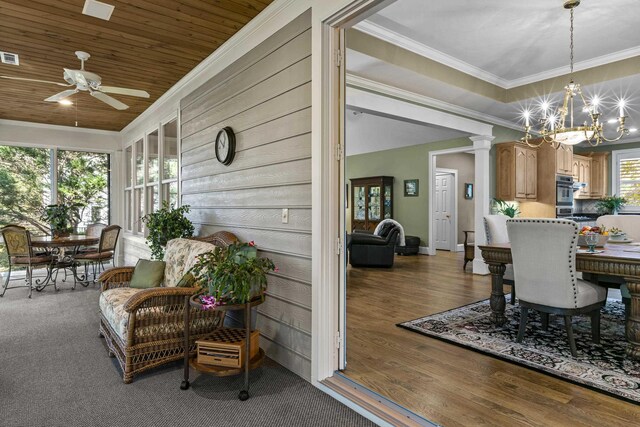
[{"x": 411, "y": 247}]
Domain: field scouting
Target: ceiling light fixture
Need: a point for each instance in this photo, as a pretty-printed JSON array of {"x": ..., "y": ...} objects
[
  {"x": 558, "y": 127},
  {"x": 65, "y": 102}
]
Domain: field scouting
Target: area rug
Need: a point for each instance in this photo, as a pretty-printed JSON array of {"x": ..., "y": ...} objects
[{"x": 601, "y": 367}]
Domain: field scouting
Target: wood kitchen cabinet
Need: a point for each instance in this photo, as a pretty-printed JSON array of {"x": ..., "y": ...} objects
[
  {"x": 599, "y": 175},
  {"x": 564, "y": 160},
  {"x": 581, "y": 171},
  {"x": 517, "y": 172}
]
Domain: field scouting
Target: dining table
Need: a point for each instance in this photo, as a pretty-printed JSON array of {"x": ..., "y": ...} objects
[
  {"x": 63, "y": 250},
  {"x": 621, "y": 260}
]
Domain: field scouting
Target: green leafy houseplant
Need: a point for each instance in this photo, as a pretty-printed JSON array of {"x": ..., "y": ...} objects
[
  {"x": 611, "y": 204},
  {"x": 166, "y": 224},
  {"x": 506, "y": 209},
  {"x": 232, "y": 275},
  {"x": 60, "y": 218}
]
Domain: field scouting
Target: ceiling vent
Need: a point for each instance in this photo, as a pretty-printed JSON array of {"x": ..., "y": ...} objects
[
  {"x": 97, "y": 9},
  {"x": 9, "y": 58}
]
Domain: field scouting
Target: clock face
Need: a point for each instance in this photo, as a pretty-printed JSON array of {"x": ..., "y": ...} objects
[{"x": 225, "y": 146}]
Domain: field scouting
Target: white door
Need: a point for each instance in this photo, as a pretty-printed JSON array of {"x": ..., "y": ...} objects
[{"x": 444, "y": 215}]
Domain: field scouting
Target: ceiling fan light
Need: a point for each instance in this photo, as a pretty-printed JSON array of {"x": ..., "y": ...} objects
[{"x": 65, "y": 102}]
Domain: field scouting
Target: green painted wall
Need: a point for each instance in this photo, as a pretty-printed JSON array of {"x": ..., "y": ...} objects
[{"x": 412, "y": 163}]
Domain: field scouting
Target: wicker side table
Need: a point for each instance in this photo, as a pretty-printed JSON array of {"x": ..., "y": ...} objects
[{"x": 222, "y": 371}]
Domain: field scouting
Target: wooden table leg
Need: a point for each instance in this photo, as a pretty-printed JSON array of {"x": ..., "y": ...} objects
[
  {"x": 633, "y": 321},
  {"x": 497, "y": 300}
]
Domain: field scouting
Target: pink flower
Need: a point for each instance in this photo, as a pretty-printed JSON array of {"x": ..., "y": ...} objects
[
  {"x": 252, "y": 243},
  {"x": 209, "y": 302},
  {"x": 276, "y": 269}
]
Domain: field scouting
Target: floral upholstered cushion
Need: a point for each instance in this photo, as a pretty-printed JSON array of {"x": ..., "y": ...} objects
[
  {"x": 112, "y": 307},
  {"x": 179, "y": 256}
]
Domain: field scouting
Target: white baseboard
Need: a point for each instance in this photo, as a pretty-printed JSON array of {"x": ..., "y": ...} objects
[
  {"x": 460, "y": 247},
  {"x": 424, "y": 250}
]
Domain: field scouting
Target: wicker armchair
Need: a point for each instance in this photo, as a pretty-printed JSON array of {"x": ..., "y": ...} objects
[{"x": 144, "y": 328}]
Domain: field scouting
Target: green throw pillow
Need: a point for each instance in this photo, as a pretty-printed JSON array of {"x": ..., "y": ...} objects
[
  {"x": 187, "y": 281},
  {"x": 148, "y": 274}
]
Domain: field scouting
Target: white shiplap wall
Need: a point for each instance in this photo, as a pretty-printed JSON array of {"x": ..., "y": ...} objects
[{"x": 265, "y": 96}]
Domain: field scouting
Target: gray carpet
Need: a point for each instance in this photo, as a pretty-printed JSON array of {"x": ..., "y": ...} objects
[{"x": 54, "y": 371}]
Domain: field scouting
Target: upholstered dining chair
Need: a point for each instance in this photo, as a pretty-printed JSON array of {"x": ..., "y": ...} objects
[
  {"x": 105, "y": 253},
  {"x": 495, "y": 228},
  {"x": 17, "y": 241},
  {"x": 544, "y": 260}
]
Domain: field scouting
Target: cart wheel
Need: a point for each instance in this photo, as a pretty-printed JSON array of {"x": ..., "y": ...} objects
[
  {"x": 243, "y": 395},
  {"x": 185, "y": 385}
]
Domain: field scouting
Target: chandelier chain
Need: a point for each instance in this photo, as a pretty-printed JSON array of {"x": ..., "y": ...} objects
[{"x": 571, "y": 47}]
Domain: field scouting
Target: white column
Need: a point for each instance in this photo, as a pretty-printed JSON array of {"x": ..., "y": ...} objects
[{"x": 481, "y": 147}]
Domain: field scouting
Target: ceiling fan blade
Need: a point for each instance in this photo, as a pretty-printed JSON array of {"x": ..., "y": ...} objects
[
  {"x": 62, "y": 95},
  {"x": 34, "y": 80},
  {"x": 109, "y": 100},
  {"x": 124, "y": 91}
]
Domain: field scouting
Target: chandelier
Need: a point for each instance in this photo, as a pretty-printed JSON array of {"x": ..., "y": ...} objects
[{"x": 561, "y": 126}]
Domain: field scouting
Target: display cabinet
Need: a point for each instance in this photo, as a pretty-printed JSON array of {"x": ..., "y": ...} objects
[{"x": 371, "y": 201}]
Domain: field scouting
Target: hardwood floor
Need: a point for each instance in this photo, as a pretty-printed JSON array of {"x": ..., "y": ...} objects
[{"x": 445, "y": 383}]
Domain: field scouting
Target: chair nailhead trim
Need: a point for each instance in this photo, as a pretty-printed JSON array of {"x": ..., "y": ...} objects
[{"x": 572, "y": 249}]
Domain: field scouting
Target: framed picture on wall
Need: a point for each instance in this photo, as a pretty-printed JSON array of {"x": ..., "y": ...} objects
[
  {"x": 411, "y": 187},
  {"x": 468, "y": 190}
]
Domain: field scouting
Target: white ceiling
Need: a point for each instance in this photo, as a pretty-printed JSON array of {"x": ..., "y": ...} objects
[
  {"x": 516, "y": 42},
  {"x": 367, "y": 132},
  {"x": 511, "y": 41}
]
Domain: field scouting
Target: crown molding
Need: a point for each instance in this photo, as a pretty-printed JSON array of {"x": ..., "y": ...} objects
[
  {"x": 4, "y": 122},
  {"x": 404, "y": 42},
  {"x": 578, "y": 66},
  {"x": 377, "y": 87},
  {"x": 382, "y": 33}
]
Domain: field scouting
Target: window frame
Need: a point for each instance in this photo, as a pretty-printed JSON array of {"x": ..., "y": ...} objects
[
  {"x": 616, "y": 156},
  {"x": 112, "y": 188},
  {"x": 133, "y": 211}
]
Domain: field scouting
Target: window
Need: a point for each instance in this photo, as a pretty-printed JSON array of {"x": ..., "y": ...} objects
[
  {"x": 626, "y": 177},
  {"x": 31, "y": 178},
  {"x": 151, "y": 173}
]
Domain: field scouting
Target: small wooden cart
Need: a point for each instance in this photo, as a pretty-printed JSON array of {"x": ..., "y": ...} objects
[{"x": 222, "y": 371}]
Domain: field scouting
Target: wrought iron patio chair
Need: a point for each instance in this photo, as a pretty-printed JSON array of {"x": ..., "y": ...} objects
[{"x": 17, "y": 241}]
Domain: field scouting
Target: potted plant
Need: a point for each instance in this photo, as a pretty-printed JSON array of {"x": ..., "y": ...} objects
[
  {"x": 610, "y": 205},
  {"x": 60, "y": 218},
  {"x": 165, "y": 224},
  {"x": 506, "y": 209},
  {"x": 232, "y": 275}
]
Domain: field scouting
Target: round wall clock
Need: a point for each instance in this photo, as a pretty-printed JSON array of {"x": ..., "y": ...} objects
[{"x": 225, "y": 146}]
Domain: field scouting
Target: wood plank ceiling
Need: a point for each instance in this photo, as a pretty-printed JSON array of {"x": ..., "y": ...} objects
[{"x": 147, "y": 45}]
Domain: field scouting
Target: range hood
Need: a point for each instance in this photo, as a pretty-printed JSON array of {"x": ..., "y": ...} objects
[{"x": 577, "y": 186}]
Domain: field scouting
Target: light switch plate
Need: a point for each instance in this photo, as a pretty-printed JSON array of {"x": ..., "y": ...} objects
[{"x": 285, "y": 216}]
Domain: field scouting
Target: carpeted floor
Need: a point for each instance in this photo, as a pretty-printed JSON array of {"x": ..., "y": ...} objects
[
  {"x": 602, "y": 367},
  {"x": 54, "y": 371}
]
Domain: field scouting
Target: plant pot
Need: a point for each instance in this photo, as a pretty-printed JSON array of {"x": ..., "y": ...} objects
[{"x": 58, "y": 234}]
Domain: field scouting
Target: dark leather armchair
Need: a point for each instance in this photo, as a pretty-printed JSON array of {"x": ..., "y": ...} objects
[{"x": 368, "y": 250}]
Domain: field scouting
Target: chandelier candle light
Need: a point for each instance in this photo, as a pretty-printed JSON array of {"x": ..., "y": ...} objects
[{"x": 558, "y": 127}]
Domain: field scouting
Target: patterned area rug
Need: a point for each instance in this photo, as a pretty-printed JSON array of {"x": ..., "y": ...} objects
[{"x": 601, "y": 367}]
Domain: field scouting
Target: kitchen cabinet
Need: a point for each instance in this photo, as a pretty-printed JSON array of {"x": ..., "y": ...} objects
[
  {"x": 564, "y": 160},
  {"x": 371, "y": 201},
  {"x": 581, "y": 171},
  {"x": 517, "y": 172},
  {"x": 599, "y": 175}
]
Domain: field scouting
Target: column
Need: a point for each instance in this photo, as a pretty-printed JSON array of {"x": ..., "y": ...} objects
[{"x": 481, "y": 147}]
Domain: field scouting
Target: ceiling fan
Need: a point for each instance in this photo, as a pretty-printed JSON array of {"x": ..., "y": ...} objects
[{"x": 86, "y": 81}]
